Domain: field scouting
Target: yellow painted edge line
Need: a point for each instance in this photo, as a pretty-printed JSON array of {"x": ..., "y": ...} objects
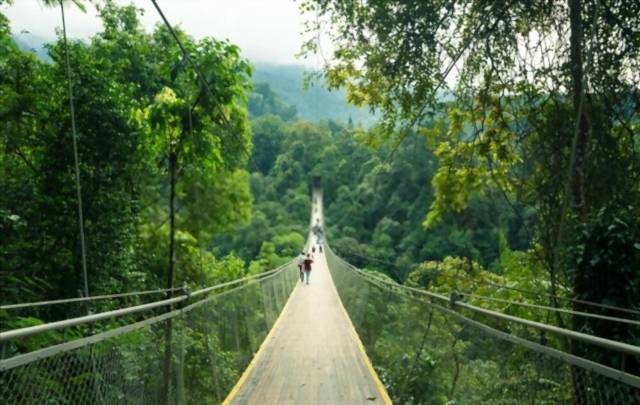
[
  {"x": 245, "y": 375},
  {"x": 363, "y": 353}
]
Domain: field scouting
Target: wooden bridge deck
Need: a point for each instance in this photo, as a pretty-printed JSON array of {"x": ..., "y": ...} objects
[{"x": 312, "y": 354}]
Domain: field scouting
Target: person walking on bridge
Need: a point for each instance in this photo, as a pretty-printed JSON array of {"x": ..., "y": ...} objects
[
  {"x": 307, "y": 267},
  {"x": 301, "y": 258}
]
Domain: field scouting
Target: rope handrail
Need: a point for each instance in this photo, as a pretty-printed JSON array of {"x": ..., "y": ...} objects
[
  {"x": 599, "y": 368},
  {"x": 570, "y": 299},
  {"x": 522, "y": 290},
  {"x": 587, "y": 364},
  {"x": 523, "y": 304},
  {"x": 598, "y": 341},
  {"x": 25, "y": 358},
  {"x": 91, "y": 298},
  {"x": 546, "y": 307},
  {"x": 33, "y": 330}
]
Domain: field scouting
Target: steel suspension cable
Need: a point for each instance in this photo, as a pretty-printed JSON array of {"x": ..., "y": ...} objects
[
  {"x": 563, "y": 310},
  {"x": 590, "y": 339},
  {"x": 598, "y": 341},
  {"x": 33, "y": 330},
  {"x": 558, "y": 297},
  {"x": 173, "y": 33},
  {"x": 25, "y": 358},
  {"x": 83, "y": 248},
  {"x": 463, "y": 48},
  {"x": 83, "y": 299},
  {"x": 546, "y": 307},
  {"x": 572, "y": 359},
  {"x": 173, "y": 158},
  {"x": 502, "y": 286},
  {"x": 198, "y": 72},
  {"x": 574, "y": 300},
  {"x": 416, "y": 358},
  {"x": 394, "y": 267},
  {"x": 558, "y": 309},
  {"x": 114, "y": 296}
]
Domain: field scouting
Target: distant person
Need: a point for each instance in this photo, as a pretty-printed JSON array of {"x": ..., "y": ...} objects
[
  {"x": 301, "y": 258},
  {"x": 307, "y": 267},
  {"x": 313, "y": 250},
  {"x": 320, "y": 248}
]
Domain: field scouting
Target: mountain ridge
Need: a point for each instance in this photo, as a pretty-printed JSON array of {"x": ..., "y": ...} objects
[{"x": 313, "y": 102}]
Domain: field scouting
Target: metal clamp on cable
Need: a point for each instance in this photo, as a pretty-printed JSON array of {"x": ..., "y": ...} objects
[
  {"x": 543, "y": 338},
  {"x": 187, "y": 291},
  {"x": 454, "y": 297}
]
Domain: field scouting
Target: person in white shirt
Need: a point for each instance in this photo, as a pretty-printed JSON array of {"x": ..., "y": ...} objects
[{"x": 301, "y": 258}]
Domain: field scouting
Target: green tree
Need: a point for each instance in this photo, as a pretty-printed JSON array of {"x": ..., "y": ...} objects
[
  {"x": 538, "y": 117},
  {"x": 123, "y": 164},
  {"x": 264, "y": 101},
  {"x": 269, "y": 131}
]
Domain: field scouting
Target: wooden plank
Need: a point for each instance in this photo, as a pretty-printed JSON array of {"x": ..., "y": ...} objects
[{"x": 312, "y": 354}]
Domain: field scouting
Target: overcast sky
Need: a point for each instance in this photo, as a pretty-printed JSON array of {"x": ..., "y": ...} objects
[{"x": 265, "y": 30}]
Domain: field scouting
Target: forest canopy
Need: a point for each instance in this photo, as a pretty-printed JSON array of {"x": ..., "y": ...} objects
[
  {"x": 504, "y": 167},
  {"x": 478, "y": 174},
  {"x": 140, "y": 113}
]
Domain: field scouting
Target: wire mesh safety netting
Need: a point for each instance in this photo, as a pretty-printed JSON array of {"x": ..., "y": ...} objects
[
  {"x": 211, "y": 342},
  {"x": 428, "y": 353}
]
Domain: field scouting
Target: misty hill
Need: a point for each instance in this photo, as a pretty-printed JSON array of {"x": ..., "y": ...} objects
[
  {"x": 313, "y": 104},
  {"x": 32, "y": 43}
]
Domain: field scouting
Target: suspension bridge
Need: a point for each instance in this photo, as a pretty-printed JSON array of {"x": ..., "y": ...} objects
[{"x": 348, "y": 337}]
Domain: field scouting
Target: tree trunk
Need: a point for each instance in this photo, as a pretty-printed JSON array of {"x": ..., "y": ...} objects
[{"x": 577, "y": 163}]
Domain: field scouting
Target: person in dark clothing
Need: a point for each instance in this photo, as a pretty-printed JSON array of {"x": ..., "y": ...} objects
[{"x": 307, "y": 267}]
